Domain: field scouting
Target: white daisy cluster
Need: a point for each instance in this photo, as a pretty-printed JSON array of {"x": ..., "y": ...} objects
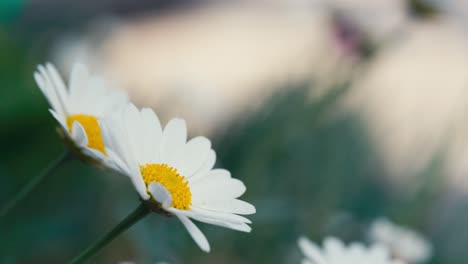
[
  {"x": 404, "y": 243},
  {"x": 173, "y": 176},
  {"x": 335, "y": 251}
]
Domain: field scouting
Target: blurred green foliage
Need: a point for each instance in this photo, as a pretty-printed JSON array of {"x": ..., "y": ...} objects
[{"x": 9, "y": 10}]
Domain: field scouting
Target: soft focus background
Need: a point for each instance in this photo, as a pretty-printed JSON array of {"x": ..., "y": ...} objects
[{"x": 333, "y": 113}]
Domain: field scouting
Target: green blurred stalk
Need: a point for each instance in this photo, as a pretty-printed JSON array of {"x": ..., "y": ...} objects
[
  {"x": 139, "y": 213},
  {"x": 23, "y": 193}
]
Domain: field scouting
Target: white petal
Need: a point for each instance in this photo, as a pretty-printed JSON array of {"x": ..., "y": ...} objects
[
  {"x": 44, "y": 83},
  {"x": 209, "y": 176},
  {"x": 236, "y": 225},
  {"x": 195, "y": 232},
  {"x": 194, "y": 155},
  {"x": 79, "y": 134},
  {"x": 220, "y": 215},
  {"x": 207, "y": 165},
  {"x": 115, "y": 100},
  {"x": 242, "y": 227},
  {"x": 78, "y": 86},
  {"x": 60, "y": 119},
  {"x": 160, "y": 194},
  {"x": 117, "y": 163},
  {"x": 134, "y": 131},
  {"x": 60, "y": 87},
  {"x": 221, "y": 189},
  {"x": 120, "y": 152},
  {"x": 173, "y": 140},
  {"x": 152, "y": 133},
  {"x": 140, "y": 185},
  {"x": 115, "y": 138},
  {"x": 96, "y": 155},
  {"x": 333, "y": 246},
  {"x": 234, "y": 206},
  {"x": 311, "y": 251},
  {"x": 78, "y": 77}
]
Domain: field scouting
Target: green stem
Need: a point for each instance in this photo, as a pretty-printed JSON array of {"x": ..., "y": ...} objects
[
  {"x": 139, "y": 213},
  {"x": 21, "y": 194}
]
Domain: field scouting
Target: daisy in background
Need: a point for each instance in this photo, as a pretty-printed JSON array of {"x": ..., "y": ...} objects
[
  {"x": 404, "y": 244},
  {"x": 79, "y": 106},
  {"x": 334, "y": 251}
]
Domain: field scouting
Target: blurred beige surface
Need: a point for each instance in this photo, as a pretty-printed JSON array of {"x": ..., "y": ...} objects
[
  {"x": 210, "y": 65},
  {"x": 216, "y": 63},
  {"x": 415, "y": 98}
]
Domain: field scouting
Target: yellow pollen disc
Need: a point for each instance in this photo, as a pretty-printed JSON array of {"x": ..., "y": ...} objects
[
  {"x": 92, "y": 129},
  {"x": 171, "y": 180}
]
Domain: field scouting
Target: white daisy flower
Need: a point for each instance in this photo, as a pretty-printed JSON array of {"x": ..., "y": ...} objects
[
  {"x": 78, "y": 107},
  {"x": 174, "y": 176},
  {"x": 404, "y": 243},
  {"x": 334, "y": 251}
]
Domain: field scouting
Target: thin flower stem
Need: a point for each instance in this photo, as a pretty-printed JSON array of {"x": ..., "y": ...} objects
[
  {"x": 21, "y": 194},
  {"x": 139, "y": 213}
]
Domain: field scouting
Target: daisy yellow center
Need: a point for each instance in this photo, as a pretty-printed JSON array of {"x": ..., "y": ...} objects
[
  {"x": 92, "y": 129},
  {"x": 171, "y": 180}
]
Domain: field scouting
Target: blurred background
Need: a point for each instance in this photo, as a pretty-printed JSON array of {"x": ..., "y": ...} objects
[{"x": 333, "y": 112}]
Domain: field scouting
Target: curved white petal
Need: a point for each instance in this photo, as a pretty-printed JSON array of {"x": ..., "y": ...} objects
[
  {"x": 78, "y": 77},
  {"x": 236, "y": 225},
  {"x": 234, "y": 206},
  {"x": 96, "y": 155},
  {"x": 173, "y": 140},
  {"x": 117, "y": 164},
  {"x": 115, "y": 138},
  {"x": 49, "y": 90},
  {"x": 233, "y": 218},
  {"x": 193, "y": 155},
  {"x": 78, "y": 84},
  {"x": 79, "y": 134},
  {"x": 208, "y": 176},
  {"x": 133, "y": 130},
  {"x": 333, "y": 246},
  {"x": 60, "y": 87},
  {"x": 60, "y": 119},
  {"x": 120, "y": 152},
  {"x": 195, "y": 232},
  {"x": 311, "y": 251},
  {"x": 222, "y": 189},
  {"x": 207, "y": 165},
  {"x": 242, "y": 227},
  {"x": 140, "y": 186},
  {"x": 152, "y": 133},
  {"x": 161, "y": 194}
]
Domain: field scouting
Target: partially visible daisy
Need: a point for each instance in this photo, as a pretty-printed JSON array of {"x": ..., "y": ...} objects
[
  {"x": 79, "y": 105},
  {"x": 173, "y": 176},
  {"x": 334, "y": 251},
  {"x": 403, "y": 242}
]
